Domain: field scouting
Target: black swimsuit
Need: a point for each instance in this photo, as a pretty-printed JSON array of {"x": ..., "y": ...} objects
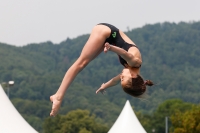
[{"x": 116, "y": 40}]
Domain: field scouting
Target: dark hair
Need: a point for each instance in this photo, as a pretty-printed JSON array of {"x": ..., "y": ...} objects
[{"x": 138, "y": 86}]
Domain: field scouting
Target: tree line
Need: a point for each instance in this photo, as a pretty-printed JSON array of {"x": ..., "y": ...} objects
[{"x": 170, "y": 58}]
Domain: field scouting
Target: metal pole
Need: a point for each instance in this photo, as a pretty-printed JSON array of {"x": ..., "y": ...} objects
[
  {"x": 8, "y": 91},
  {"x": 7, "y": 87},
  {"x": 166, "y": 124}
]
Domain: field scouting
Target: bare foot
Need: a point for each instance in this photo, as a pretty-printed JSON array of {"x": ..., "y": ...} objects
[{"x": 55, "y": 105}]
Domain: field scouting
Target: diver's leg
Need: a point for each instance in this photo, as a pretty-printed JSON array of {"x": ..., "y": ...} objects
[{"x": 92, "y": 48}]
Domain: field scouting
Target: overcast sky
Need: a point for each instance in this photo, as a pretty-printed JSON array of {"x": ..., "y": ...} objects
[{"x": 33, "y": 21}]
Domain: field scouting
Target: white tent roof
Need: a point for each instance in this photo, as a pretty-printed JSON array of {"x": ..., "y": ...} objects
[
  {"x": 127, "y": 122},
  {"x": 10, "y": 119}
]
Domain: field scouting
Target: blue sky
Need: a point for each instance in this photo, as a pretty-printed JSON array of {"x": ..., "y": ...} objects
[{"x": 33, "y": 21}]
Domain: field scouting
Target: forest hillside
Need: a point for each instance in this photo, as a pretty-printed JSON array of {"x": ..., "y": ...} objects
[{"x": 170, "y": 59}]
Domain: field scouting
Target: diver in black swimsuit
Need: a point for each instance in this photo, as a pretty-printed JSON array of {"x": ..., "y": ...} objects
[{"x": 106, "y": 37}]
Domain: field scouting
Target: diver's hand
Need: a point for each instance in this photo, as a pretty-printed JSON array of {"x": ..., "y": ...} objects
[
  {"x": 106, "y": 47},
  {"x": 101, "y": 89}
]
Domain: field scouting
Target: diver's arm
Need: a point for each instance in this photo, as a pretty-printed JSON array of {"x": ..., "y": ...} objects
[
  {"x": 123, "y": 53},
  {"x": 130, "y": 58},
  {"x": 112, "y": 82}
]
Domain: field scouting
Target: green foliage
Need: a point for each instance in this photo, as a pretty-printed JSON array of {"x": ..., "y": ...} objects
[
  {"x": 170, "y": 58},
  {"x": 166, "y": 109},
  {"x": 78, "y": 121},
  {"x": 187, "y": 122},
  {"x": 169, "y": 108}
]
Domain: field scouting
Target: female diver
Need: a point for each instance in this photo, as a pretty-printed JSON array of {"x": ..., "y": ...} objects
[{"x": 106, "y": 37}]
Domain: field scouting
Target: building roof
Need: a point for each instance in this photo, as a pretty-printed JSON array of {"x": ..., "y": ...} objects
[
  {"x": 127, "y": 122},
  {"x": 10, "y": 119}
]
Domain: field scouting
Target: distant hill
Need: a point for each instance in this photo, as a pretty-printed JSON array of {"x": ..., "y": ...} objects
[{"x": 170, "y": 58}]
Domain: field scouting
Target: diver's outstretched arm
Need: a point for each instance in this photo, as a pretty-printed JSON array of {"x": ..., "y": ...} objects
[{"x": 112, "y": 82}]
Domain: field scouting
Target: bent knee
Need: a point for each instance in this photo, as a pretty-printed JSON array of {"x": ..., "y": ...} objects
[{"x": 83, "y": 63}]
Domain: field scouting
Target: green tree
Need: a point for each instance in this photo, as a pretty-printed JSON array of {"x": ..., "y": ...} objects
[
  {"x": 167, "y": 108},
  {"x": 187, "y": 122},
  {"x": 78, "y": 121}
]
